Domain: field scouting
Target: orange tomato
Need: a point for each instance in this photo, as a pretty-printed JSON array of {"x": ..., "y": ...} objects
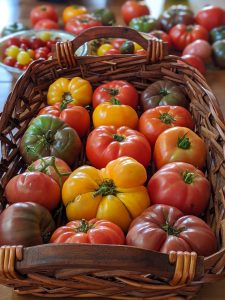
[{"x": 72, "y": 11}]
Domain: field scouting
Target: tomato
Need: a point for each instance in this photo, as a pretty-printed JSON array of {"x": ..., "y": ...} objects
[
  {"x": 199, "y": 48},
  {"x": 112, "y": 51},
  {"x": 180, "y": 185},
  {"x": 210, "y": 17},
  {"x": 26, "y": 224},
  {"x": 156, "y": 120},
  {"x": 49, "y": 136},
  {"x": 116, "y": 114},
  {"x": 93, "y": 232},
  {"x": 105, "y": 16},
  {"x": 179, "y": 144},
  {"x": 79, "y": 23},
  {"x": 46, "y": 24},
  {"x": 159, "y": 34},
  {"x": 23, "y": 58},
  {"x": 164, "y": 228},
  {"x": 76, "y": 117},
  {"x": 76, "y": 91},
  {"x": 163, "y": 92},
  {"x": 194, "y": 61},
  {"x": 50, "y": 43},
  {"x": 25, "y": 41},
  {"x": 217, "y": 34},
  {"x": 103, "y": 49},
  {"x": 72, "y": 11},
  {"x": 120, "y": 90},
  {"x": 12, "y": 51},
  {"x": 107, "y": 143},
  {"x": 13, "y": 41},
  {"x": 219, "y": 53},
  {"x": 183, "y": 35},
  {"x": 141, "y": 52},
  {"x": 133, "y": 9},
  {"x": 117, "y": 43},
  {"x": 115, "y": 193},
  {"x": 9, "y": 61},
  {"x": 144, "y": 24},
  {"x": 41, "y": 52},
  {"x": 36, "y": 42},
  {"x": 41, "y": 12},
  {"x": 127, "y": 47},
  {"x": 19, "y": 66},
  {"x": 35, "y": 186},
  {"x": 31, "y": 52},
  {"x": 52, "y": 166}
]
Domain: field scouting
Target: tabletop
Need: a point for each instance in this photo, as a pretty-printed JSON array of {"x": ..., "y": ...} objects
[{"x": 20, "y": 9}]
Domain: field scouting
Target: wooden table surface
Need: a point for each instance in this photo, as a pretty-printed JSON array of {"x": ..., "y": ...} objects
[{"x": 20, "y": 9}]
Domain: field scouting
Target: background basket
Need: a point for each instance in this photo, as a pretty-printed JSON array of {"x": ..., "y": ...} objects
[{"x": 117, "y": 272}]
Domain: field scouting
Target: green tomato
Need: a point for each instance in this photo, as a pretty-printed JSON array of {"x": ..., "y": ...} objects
[
  {"x": 12, "y": 51},
  {"x": 217, "y": 34},
  {"x": 49, "y": 136},
  {"x": 219, "y": 53},
  {"x": 144, "y": 24},
  {"x": 23, "y": 58},
  {"x": 105, "y": 16},
  {"x": 127, "y": 47}
]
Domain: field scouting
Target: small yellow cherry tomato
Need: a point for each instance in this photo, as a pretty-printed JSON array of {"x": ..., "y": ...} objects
[
  {"x": 23, "y": 58},
  {"x": 103, "y": 49},
  {"x": 12, "y": 51},
  {"x": 137, "y": 47}
]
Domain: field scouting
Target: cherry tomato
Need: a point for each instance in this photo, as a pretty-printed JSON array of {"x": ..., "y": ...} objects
[
  {"x": 41, "y": 12},
  {"x": 12, "y": 51},
  {"x": 23, "y": 47},
  {"x": 9, "y": 61},
  {"x": 133, "y": 9},
  {"x": 50, "y": 43},
  {"x": 36, "y": 42},
  {"x": 210, "y": 17},
  {"x": 117, "y": 43},
  {"x": 45, "y": 36},
  {"x": 103, "y": 49},
  {"x": 194, "y": 61},
  {"x": 112, "y": 51},
  {"x": 23, "y": 40},
  {"x": 41, "y": 52},
  {"x": 23, "y": 58},
  {"x": 46, "y": 24},
  {"x": 31, "y": 52},
  {"x": 19, "y": 66},
  {"x": 12, "y": 41}
]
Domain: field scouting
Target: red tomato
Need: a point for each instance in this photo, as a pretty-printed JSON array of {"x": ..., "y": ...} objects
[
  {"x": 133, "y": 9},
  {"x": 199, "y": 48},
  {"x": 23, "y": 40},
  {"x": 156, "y": 120},
  {"x": 119, "y": 89},
  {"x": 182, "y": 35},
  {"x": 52, "y": 166},
  {"x": 180, "y": 185},
  {"x": 76, "y": 117},
  {"x": 164, "y": 228},
  {"x": 35, "y": 186},
  {"x": 107, "y": 143},
  {"x": 112, "y": 51},
  {"x": 79, "y": 23},
  {"x": 19, "y": 66},
  {"x": 9, "y": 61},
  {"x": 41, "y": 52},
  {"x": 210, "y": 17},
  {"x": 36, "y": 42},
  {"x": 159, "y": 34},
  {"x": 50, "y": 43},
  {"x": 117, "y": 43},
  {"x": 194, "y": 61},
  {"x": 13, "y": 41},
  {"x": 46, "y": 24},
  {"x": 179, "y": 144},
  {"x": 93, "y": 232},
  {"x": 41, "y": 12}
]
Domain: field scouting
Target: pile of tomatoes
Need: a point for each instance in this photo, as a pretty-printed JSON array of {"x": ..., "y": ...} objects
[{"x": 141, "y": 183}]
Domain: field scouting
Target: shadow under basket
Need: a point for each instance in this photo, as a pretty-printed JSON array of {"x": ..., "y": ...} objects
[{"x": 116, "y": 272}]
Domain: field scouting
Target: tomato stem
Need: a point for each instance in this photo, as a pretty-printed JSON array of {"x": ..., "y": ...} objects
[
  {"x": 163, "y": 92},
  {"x": 115, "y": 101},
  {"x": 183, "y": 142},
  {"x": 118, "y": 138},
  {"x": 67, "y": 97},
  {"x": 166, "y": 118},
  {"x": 84, "y": 226},
  {"x": 107, "y": 187},
  {"x": 64, "y": 104},
  {"x": 111, "y": 91},
  {"x": 170, "y": 230},
  {"x": 188, "y": 177}
]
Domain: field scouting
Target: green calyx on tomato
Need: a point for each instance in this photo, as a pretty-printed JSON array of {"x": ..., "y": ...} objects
[
  {"x": 65, "y": 102},
  {"x": 118, "y": 137},
  {"x": 43, "y": 8},
  {"x": 115, "y": 101},
  {"x": 188, "y": 177},
  {"x": 183, "y": 142},
  {"x": 166, "y": 118},
  {"x": 111, "y": 91},
  {"x": 170, "y": 230},
  {"x": 107, "y": 187},
  {"x": 84, "y": 226},
  {"x": 83, "y": 20}
]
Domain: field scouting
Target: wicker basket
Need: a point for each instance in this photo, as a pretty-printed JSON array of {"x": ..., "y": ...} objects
[{"x": 117, "y": 272}]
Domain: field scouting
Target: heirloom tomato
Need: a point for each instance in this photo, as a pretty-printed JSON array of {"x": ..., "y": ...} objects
[
  {"x": 156, "y": 120},
  {"x": 195, "y": 61},
  {"x": 133, "y": 9},
  {"x": 180, "y": 185},
  {"x": 105, "y": 16},
  {"x": 41, "y": 12},
  {"x": 72, "y": 11},
  {"x": 26, "y": 224},
  {"x": 144, "y": 24},
  {"x": 164, "y": 228},
  {"x": 52, "y": 166},
  {"x": 90, "y": 232},
  {"x": 115, "y": 193},
  {"x": 217, "y": 34},
  {"x": 80, "y": 23},
  {"x": 76, "y": 91},
  {"x": 35, "y": 186},
  {"x": 49, "y": 136},
  {"x": 116, "y": 114},
  {"x": 46, "y": 24},
  {"x": 159, "y": 34},
  {"x": 76, "y": 117},
  {"x": 120, "y": 90},
  {"x": 199, "y": 48},
  {"x": 219, "y": 53},
  {"x": 210, "y": 17},
  {"x": 183, "y": 35},
  {"x": 107, "y": 143},
  {"x": 179, "y": 144}
]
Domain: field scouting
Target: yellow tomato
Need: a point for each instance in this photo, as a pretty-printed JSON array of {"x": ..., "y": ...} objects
[
  {"x": 115, "y": 193},
  {"x": 103, "y": 49},
  {"x": 72, "y": 11},
  {"x": 113, "y": 113},
  {"x": 137, "y": 47},
  {"x": 76, "y": 91}
]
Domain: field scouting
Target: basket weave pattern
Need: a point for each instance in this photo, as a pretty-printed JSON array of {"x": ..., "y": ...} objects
[{"x": 117, "y": 272}]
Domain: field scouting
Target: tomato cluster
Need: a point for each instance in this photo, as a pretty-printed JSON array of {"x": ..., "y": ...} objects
[
  {"x": 19, "y": 52},
  {"x": 114, "y": 199}
]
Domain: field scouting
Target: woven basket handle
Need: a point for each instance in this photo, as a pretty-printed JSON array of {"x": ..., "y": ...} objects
[{"x": 64, "y": 51}]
